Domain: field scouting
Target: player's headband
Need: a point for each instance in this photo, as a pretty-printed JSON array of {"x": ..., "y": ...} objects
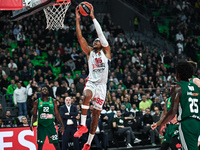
[{"x": 97, "y": 39}]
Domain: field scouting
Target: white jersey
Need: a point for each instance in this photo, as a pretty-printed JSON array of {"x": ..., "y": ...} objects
[{"x": 98, "y": 67}]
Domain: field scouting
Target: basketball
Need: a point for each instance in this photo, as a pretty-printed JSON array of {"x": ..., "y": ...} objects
[{"x": 84, "y": 8}]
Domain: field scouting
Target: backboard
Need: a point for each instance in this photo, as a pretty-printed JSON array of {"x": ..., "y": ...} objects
[
  {"x": 11, "y": 4},
  {"x": 30, "y": 7}
]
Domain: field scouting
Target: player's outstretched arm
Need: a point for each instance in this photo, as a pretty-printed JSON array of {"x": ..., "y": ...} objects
[
  {"x": 100, "y": 34},
  {"x": 81, "y": 39},
  {"x": 175, "y": 94},
  {"x": 34, "y": 116},
  {"x": 57, "y": 114},
  {"x": 154, "y": 125}
]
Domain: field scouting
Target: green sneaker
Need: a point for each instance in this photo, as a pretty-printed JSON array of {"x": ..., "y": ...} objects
[{"x": 153, "y": 144}]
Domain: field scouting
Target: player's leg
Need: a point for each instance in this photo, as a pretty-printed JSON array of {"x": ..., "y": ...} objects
[
  {"x": 94, "y": 124},
  {"x": 53, "y": 136},
  {"x": 84, "y": 108},
  {"x": 56, "y": 145},
  {"x": 188, "y": 131},
  {"x": 88, "y": 94},
  {"x": 165, "y": 146},
  {"x": 40, "y": 146},
  {"x": 167, "y": 137},
  {"x": 41, "y": 136},
  {"x": 173, "y": 143}
]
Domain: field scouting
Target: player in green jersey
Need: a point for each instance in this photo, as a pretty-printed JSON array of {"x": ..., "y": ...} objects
[
  {"x": 196, "y": 81},
  {"x": 185, "y": 103},
  {"x": 171, "y": 134},
  {"x": 46, "y": 107}
]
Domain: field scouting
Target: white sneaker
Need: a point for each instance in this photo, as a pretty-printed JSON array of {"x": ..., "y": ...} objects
[
  {"x": 137, "y": 140},
  {"x": 129, "y": 145}
]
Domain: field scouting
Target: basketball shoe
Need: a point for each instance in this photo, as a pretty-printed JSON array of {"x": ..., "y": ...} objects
[
  {"x": 86, "y": 146},
  {"x": 82, "y": 129}
]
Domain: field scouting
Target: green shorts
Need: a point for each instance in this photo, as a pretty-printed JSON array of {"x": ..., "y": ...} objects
[
  {"x": 172, "y": 130},
  {"x": 189, "y": 132},
  {"x": 49, "y": 131}
]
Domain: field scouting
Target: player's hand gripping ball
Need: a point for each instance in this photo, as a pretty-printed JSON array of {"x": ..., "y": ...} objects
[{"x": 84, "y": 8}]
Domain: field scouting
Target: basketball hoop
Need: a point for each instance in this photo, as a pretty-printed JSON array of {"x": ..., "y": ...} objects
[{"x": 55, "y": 14}]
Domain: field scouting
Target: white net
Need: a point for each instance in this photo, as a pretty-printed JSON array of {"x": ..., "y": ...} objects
[{"x": 55, "y": 15}]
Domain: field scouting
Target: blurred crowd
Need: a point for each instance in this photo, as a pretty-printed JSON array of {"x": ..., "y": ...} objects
[{"x": 139, "y": 78}]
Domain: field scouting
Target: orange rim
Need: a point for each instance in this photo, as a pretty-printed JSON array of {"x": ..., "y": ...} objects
[{"x": 62, "y": 2}]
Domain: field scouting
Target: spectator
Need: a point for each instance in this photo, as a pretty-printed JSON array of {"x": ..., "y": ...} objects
[
  {"x": 146, "y": 121},
  {"x": 62, "y": 89},
  {"x": 124, "y": 112},
  {"x": 83, "y": 74},
  {"x": 12, "y": 66},
  {"x": 60, "y": 78},
  {"x": 2, "y": 72},
  {"x": 57, "y": 62},
  {"x": 118, "y": 104},
  {"x": 127, "y": 104},
  {"x": 118, "y": 123},
  {"x": 4, "y": 84},
  {"x": 6, "y": 69},
  {"x": 60, "y": 49},
  {"x": 50, "y": 88},
  {"x": 24, "y": 122},
  {"x": 46, "y": 68},
  {"x": 32, "y": 96},
  {"x": 20, "y": 98},
  {"x": 1, "y": 112},
  {"x": 8, "y": 121},
  {"x": 68, "y": 113},
  {"x": 179, "y": 36},
  {"x": 38, "y": 75},
  {"x": 72, "y": 90},
  {"x": 112, "y": 113},
  {"x": 11, "y": 87},
  {"x": 157, "y": 115},
  {"x": 144, "y": 104},
  {"x": 74, "y": 55},
  {"x": 159, "y": 95},
  {"x": 41, "y": 82},
  {"x": 25, "y": 76},
  {"x": 80, "y": 85},
  {"x": 71, "y": 64},
  {"x": 69, "y": 79},
  {"x": 55, "y": 88},
  {"x": 156, "y": 103},
  {"x": 65, "y": 69},
  {"x": 134, "y": 109},
  {"x": 50, "y": 76}
]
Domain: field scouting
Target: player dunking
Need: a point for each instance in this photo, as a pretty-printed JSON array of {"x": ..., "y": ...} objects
[
  {"x": 98, "y": 58},
  {"x": 185, "y": 101}
]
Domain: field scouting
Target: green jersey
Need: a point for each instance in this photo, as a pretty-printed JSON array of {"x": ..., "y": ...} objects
[
  {"x": 168, "y": 103},
  {"x": 45, "y": 112},
  {"x": 189, "y": 103},
  {"x": 119, "y": 121}
]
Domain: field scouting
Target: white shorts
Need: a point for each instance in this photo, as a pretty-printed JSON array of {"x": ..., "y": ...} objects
[{"x": 98, "y": 93}]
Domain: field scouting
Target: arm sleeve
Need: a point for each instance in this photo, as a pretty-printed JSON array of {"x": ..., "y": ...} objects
[{"x": 100, "y": 34}]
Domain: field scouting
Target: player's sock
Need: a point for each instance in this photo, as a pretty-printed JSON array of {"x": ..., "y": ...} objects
[
  {"x": 83, "y": 119},
  {"x": 90, "y": 138}
]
